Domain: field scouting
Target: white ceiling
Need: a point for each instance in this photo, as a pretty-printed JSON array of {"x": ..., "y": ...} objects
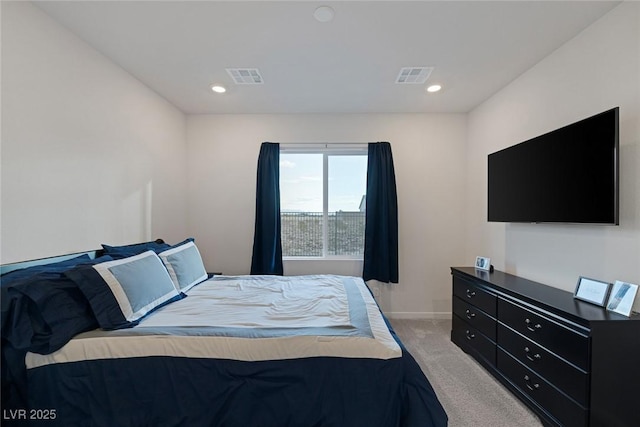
[{"x": 348, "y": 65}]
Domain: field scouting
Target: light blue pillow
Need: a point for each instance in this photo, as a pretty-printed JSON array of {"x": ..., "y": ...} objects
[
  {"x": 184, "y": 265},
  {"x": 123, "y": 291}
]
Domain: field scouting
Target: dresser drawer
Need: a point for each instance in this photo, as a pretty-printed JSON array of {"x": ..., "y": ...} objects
[
  {"x": 546, "y": 332},
  {"x": 473, "y": 341},
  {"x": 554, "y": 402},
  {"x": 571, "y": 380},
  {"x": 475, "y": 317},
  {"x": 476, "y": 295}
]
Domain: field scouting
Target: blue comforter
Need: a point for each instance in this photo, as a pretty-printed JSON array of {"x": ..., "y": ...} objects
[{"x": 163, "y": 391}]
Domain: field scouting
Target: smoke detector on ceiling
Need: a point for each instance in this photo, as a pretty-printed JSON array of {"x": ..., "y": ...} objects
[
  {"x": 246, "y": 76},
  {"x": 324, "y": 14},
  {"x": 413, "y": 75}
]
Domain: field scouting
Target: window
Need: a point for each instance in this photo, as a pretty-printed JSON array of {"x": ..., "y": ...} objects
[{"x": 322, "y": 202}]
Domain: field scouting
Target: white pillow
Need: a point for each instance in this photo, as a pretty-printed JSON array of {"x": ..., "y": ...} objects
[
  {"x": 123, "y": 291},
  {"x": 184, "y": 265}
]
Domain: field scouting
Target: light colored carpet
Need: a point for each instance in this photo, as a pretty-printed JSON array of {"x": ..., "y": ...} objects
[{"x": 469, "y": 394}]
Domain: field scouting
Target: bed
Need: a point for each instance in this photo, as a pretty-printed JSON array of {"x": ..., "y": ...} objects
[{"x": 210, "y": 351}]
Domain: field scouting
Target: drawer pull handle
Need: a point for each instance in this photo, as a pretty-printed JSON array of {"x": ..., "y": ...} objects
[
  {"x": 470, "y": 315},
  {"x": 533, "y": 358},
  {"x": 470, "y": 293},
  {"x": 530, "y": 386},
  {"x": 470, "y": 336},
  {"x": 534, "y": 327}
]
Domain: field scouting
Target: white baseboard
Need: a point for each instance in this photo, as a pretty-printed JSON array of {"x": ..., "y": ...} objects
[{"x": 417, "y": 315}]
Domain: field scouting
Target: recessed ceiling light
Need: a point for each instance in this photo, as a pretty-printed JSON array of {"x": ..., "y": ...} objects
[
  {"x": 324, "y": 14},
  {"x": 434, "y": 88},
  {"x": 218, "y": 89}
]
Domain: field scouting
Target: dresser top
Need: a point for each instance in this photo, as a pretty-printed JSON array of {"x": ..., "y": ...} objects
[{"x": 554, "y": 299}]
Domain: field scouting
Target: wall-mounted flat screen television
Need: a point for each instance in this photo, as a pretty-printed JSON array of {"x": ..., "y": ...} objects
[{"x": 569, "y": 175}]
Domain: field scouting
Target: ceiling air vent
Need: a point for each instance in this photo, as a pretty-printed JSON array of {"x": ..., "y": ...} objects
[
  {"x": 246, "y": 76},
  {"x": 413, "y": 75}
]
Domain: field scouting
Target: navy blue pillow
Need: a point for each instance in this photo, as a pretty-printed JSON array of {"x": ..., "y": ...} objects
[
  {"x": 56, "y": 267},
  {"x": 45, "y": 310},
  {"x": 187, "y": 240},
  {"x": 125, "y": 251}
]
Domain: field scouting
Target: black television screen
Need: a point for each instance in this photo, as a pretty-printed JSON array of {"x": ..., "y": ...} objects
[{"x": 569, "y": 175}]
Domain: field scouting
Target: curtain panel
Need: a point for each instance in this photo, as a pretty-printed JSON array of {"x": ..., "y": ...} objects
[
  {"x": 381, "y": 227},
  {"x": 267, "y": 241}
]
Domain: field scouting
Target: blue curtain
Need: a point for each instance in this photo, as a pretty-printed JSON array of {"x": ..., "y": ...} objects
[
  {"x": 267, "y": 242},
  {"x": 381, "y": 227}
]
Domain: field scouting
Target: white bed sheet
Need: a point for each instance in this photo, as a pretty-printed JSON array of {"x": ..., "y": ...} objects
[{"x": 259, "y": 302}]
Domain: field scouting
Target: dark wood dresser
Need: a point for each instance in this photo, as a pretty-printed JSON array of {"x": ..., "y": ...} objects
[{"x": 571, "y": 362}]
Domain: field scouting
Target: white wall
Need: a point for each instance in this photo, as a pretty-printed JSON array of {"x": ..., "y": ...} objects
[
  {"x": 428, "y": 152},
  {"x": 89, "y": 154},
  {"x": 597, "y": 70}
]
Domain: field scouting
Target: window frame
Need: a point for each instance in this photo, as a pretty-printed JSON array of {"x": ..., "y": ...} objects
[{"x": 327, "y": 150}]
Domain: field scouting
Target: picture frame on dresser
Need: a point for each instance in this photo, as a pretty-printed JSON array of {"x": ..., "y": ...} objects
[
  {"x": 622, "y": 296},
  {"x": 592, "y": 291},
  {"x": 483, "y": 263}
]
